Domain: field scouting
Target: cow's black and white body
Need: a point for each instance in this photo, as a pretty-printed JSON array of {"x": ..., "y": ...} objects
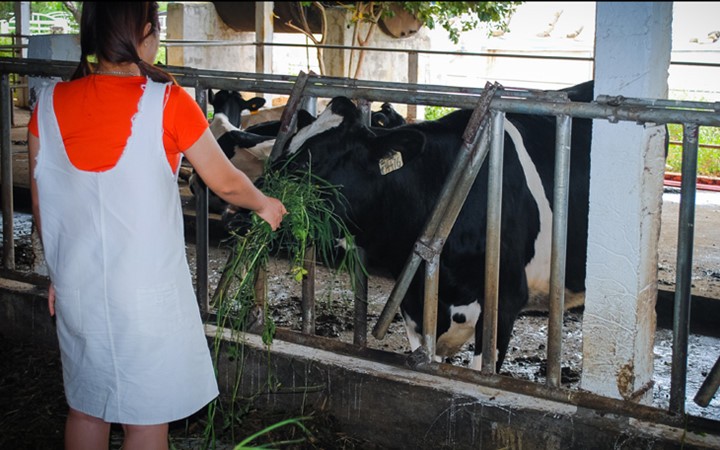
[{"x": 387, "y": 212}]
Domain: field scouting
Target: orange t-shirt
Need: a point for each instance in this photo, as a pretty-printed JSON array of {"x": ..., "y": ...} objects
[{"x": 90, "y": 109}]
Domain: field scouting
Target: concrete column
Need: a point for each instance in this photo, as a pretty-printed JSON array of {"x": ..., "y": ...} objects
[
  {"x": 632, "y": 58},
  {"x": 264, "y": 33},
  {"x": 338, "y": 33}
]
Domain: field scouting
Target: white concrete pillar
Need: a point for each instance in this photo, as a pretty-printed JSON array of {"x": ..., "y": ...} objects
[
  {"x": 632, "y": 57},
  {"x": 264, "y": 31}
]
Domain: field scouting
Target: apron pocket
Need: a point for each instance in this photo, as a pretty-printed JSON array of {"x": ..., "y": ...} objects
[{"x": 159, "y": 310}]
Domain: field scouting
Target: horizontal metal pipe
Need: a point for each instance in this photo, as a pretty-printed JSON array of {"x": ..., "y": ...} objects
[{"x": 328, "y": 87}]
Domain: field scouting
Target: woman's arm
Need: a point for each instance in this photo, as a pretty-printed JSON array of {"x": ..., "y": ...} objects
[{"x": 230, "y": 183}]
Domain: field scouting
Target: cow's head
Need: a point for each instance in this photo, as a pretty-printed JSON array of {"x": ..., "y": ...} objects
[
  {"x": 387, "y": 117},
  {"x": 232, "y": 104},
  {"x": 338, "y": 147}
]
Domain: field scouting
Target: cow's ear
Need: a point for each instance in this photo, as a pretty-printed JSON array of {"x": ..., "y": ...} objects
[
  {"x": 393, "y": 150},
  {"x": 304, "y": 118},
  {"x": 255, "y": 103}
]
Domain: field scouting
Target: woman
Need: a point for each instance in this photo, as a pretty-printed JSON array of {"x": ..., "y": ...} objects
[{"x": 105, "y": 149}]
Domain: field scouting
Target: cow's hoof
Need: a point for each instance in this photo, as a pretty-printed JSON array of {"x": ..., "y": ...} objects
[{"x": 417, "y": 358}]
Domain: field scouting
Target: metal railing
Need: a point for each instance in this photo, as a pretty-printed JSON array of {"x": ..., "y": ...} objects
[{"x": 690, "y": 114}]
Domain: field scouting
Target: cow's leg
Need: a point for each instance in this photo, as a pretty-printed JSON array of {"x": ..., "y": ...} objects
[{"x": 512, "y": 298}]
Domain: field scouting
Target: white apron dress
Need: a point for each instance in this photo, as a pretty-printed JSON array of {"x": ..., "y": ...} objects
[{"x": 132, "y": 341}]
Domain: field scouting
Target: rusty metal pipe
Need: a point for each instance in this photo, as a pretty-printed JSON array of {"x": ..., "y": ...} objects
[
  {"x": 561, "y": 190},
  {"x": 492, "y": 245},
  {"x": 683, "y": 276}
]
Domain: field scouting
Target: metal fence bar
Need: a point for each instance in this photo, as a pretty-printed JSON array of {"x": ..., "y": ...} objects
[
  {"x": 361, "y": 300},
  {"x": 559, "y": 248},
  {"x": 7, "y": 173},
  {"x": 308, "y": 291},
  {"x": 430, "y": 306},
  {"x": 710, "y": 386},
  {"x": 686, "y": 227},
  {"x": 508, "y": 100},
  {"x": 493, "y": 242},
  {"x": 202, "y": 227}
]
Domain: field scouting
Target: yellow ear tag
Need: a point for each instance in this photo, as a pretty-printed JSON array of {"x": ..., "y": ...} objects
[{"x": 391, "y": 163}]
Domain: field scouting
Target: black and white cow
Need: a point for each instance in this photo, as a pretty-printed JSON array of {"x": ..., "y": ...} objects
[
  {"x": 387, "y": 212},
  {"x": 247, "y": 151},
  {"x": 231, "y": 105},
  {"x": 228, "y": 107},
  {"x": 386, "y": 117}
]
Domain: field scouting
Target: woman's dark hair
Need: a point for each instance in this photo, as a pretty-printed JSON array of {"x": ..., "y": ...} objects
[{"x": 112, "y": 31}]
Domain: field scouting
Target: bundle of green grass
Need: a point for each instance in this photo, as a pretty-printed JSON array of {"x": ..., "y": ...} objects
[{"x": 311, "y": 222}]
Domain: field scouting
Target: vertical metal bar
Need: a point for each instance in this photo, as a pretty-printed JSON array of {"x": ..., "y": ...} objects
[
  {"x": 681, "y": 311},
  {"x": 492, "y": 246},
  {"x": 559, "y": 248},
  {"x": 6, "y": 171},
  {"x": 288, "y": 120},
  {"x": 309, "y": 104},
  {"x": 413, "y": 68},
  {"x": 308, "y": 292},
  {"x": 361, "y": 301},
  {"x": 365, "y": 113},
  {"x": 260, "y": 288},
  {"x": 202, "y": 235},
  {"x": 430, "y": 307}
]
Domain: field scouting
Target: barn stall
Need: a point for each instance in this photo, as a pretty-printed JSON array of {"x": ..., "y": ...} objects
[{"x": 368, "y": 388}]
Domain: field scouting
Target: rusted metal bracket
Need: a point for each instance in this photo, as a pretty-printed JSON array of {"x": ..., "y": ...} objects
[
  {"x": 709, "y": 387},
  {"x": 288, "y": 120}
]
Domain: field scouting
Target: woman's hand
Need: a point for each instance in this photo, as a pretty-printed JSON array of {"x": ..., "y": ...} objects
[{"x": 272, "y": 212}]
